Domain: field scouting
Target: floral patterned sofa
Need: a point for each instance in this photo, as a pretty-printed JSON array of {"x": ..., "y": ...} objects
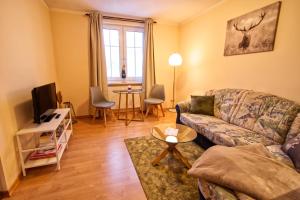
[{"x": 242, "y": 117}]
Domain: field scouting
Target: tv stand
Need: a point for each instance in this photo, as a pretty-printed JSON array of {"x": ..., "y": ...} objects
[{"x": 38, "y": 137}]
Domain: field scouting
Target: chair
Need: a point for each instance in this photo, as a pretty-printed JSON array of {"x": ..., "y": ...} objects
[
  {"x": 66, "y": 104},
  {"x": 100, "y": 103},
  {"x": 156, "y": 98}
]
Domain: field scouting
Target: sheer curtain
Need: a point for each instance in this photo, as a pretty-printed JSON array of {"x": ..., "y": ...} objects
[
  {"x": 98, "y": 75},
  {"x": 149, "y": 62}
]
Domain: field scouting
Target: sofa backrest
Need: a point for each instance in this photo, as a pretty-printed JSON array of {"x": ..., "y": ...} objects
[
  {"x": 226, "y": 101},
  {"x": 265, "y": 114}
]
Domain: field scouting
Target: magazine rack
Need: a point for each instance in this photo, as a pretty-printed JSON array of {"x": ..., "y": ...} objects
[{"x": 44, "y": 144}]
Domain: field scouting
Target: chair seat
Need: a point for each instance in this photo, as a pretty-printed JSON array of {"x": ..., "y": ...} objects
[
  {"x": 104, "y": 104},
  {"x": 153, "y": 101}
]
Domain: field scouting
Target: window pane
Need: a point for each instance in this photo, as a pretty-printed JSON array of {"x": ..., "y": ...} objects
[
  {"x": 139, "y": 62},
  {"x": 130, "y": 39},
  {"x": 130, "y": 62},
  {"x": 138, "y": 39},
  {"x": 106, "y": 36},
  {"x": 115, "y": 62},
  {"x": 107, "y": 59},
  {"x": 114, "y": 37}
]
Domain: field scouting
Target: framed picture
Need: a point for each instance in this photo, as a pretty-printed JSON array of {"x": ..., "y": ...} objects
[{"x": 253, "y": 32}]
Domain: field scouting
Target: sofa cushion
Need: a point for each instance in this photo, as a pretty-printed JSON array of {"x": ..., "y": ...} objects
[
  {"x": 226, "y": 101},
  {"x": 221, "y": 132},
  {"x": 215, "y": 192},
  {"x": 265, "y": 114},
  {"x": 202, "y": 105},
  {"x": 292, "y": 149},
  {"x": 279, "y": 155},
  {"x": 295, "y": 129}
]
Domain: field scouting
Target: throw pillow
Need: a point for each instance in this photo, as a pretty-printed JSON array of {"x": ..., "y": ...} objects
[
  {"x": 292, "y": 149},
  {"x": 202, "y": 105}
]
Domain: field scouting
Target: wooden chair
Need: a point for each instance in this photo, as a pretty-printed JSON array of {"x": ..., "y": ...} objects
[
  {"x": 66, "y": 104},
  {"x": 156, "y": 99},
  {"x": 100, "y": 103}
]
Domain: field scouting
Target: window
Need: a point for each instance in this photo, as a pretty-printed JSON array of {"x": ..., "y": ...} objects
[{"x": 124, "y": 49}]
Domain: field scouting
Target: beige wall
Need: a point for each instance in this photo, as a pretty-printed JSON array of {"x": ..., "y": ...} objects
[
  {"x": 202, "y": 45},
  {"x": 26, "y": 61},
  {"x": 166, "y": 39},
  {"x": 71, "y": 47},
  {"x": 70, "y": 33}
]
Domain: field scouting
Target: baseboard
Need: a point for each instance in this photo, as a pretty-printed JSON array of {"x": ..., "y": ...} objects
[
  {"x": 83, "y": 116},
  {"x": 115, "y": 110},
  {"x": 8, "y": 193}
]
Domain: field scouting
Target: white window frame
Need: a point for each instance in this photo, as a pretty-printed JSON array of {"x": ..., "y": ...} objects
[{"x": 122, "y": 28}]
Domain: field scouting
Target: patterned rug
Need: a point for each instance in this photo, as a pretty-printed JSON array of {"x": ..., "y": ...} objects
[{"x": 169, "y": 179}]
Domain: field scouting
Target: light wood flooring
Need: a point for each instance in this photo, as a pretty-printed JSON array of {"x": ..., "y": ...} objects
[{"x": 96, "y": 165}]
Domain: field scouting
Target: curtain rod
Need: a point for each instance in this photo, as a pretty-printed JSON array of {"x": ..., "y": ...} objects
[{"x": 122, "y": 19}]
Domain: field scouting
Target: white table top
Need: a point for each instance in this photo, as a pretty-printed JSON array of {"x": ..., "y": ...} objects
[{"x": 46, "y": 126}]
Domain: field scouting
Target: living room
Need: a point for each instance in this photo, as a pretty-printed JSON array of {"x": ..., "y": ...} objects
[{"x": 184, "y": 50}]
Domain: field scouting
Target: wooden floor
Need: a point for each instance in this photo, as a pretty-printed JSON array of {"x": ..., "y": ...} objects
[{"x": 96, "y": 165}]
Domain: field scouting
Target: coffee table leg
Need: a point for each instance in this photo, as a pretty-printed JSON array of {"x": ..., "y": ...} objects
[
  {"x": 181, "y": 158},
  {"x": 161, "y": 156}
]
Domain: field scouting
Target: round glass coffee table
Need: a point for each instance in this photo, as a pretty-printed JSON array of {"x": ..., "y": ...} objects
[{"x": 185, "y": 134}]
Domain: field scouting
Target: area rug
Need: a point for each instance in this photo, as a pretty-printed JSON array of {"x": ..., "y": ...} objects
[{"x": 169, "y": 179}]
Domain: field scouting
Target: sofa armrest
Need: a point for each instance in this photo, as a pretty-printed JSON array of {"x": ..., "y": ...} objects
[{"x": 182, "y": 107}]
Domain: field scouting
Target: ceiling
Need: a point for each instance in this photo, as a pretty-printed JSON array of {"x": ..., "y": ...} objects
[{"x": 175, "y": 11}]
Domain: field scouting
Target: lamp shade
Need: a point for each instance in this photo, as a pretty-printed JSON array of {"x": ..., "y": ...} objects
[{"x": 175, "y": 59}]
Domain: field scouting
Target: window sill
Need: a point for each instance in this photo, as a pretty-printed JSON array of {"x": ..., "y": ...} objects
[{"x": 122, "y": 83}]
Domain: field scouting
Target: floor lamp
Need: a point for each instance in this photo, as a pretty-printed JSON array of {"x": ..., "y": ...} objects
[{"x": 175, "y": 60}]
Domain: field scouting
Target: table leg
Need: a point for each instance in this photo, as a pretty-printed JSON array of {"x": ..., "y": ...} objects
[
  {"x": 126, "y": 110},
  {"x": 133, "y": 113},
  {"x": 157, "y": 114},
  {"x": 104, "y": 115},
  {"x": 162, "y": 110},
  {"x": 142, "y": 107},
  {"x": 119, "y": 106},
  {"x": 181, "y": 158},
  {"x": 161, "y": 156}
]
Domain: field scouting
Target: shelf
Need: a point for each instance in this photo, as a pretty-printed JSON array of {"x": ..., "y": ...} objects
[
  {"x": 35, "y": 130},
  {"x": 50, "y": 144},
  {"x": 46, "y": 126},
  {"x": 52, "y": 160}
]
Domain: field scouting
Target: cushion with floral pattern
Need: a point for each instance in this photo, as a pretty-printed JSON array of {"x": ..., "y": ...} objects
[{"x": 292, "y": 149}]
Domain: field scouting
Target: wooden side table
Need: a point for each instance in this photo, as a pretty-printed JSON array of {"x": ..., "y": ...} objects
[
  {"x": 185, "y": 134},
  {"x": 131, "y": 92}
]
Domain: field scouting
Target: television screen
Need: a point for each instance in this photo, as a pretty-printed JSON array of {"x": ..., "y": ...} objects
[{"x": 44, "y": 102}]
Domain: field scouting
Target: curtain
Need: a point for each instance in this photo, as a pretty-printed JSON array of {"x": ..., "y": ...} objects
[
  {"x": 98, "y": 75},
  {"x": 149, "y": 62}
]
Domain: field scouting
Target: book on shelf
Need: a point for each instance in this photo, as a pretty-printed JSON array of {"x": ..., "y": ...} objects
[
  {"x": 45, "y": 153},
  {"x": 48, "y": 137}
]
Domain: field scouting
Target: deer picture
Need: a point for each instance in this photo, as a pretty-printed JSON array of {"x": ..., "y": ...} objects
[{"x": 244, "y": 44}]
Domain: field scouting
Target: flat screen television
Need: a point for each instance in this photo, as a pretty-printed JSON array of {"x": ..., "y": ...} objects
[{"x": 44, "y": 102}]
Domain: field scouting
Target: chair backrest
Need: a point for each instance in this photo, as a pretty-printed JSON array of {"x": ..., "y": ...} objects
[
  {"x": 157, "y": 92},
  {"x": 96, "y": 95}
]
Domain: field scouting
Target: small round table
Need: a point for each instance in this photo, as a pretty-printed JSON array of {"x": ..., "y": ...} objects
[
  {"x": 185, "y": 134},
  {"x": 132, "y": 92}
]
